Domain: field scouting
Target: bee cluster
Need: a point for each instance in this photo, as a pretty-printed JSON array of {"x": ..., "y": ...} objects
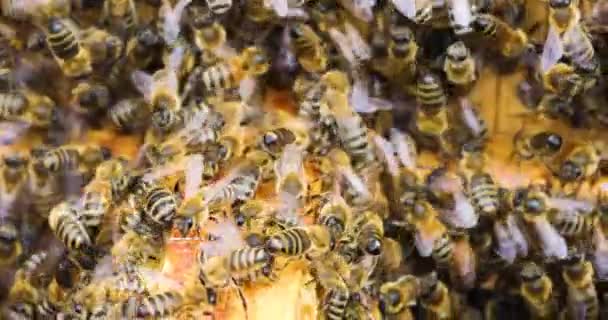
[{"x": 336, "y": 184}]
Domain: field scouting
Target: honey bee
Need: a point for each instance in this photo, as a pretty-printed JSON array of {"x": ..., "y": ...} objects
[
  {"x": 91, "y": 98},
  {"x": 274, "y": 141},
  {"x": 481, "y": 186},
  {"x": 10, "y": 244},
  {"x": 563, "y": 13},
  {"x": 431, "y": 235},
  {"x": 535, "y": 209},
  {"x": 541, "y": 144},
  {"x": 510, "y": 42},
  {"x": 63, "y": 220},
  {"x": 459, "y": 65},
  {"x": 27, "y": 106},
  {"x": 129, "y": 114},
  {"x": 309, "y": 48},
  {"x": 397, "y": 297},
  {"x": 579, "y": 49},
  {"x": 63, "y": 40},
  {"x": 537, "y": 289},
  {"x": 582, "y": 296},
  {"x": 329, "y": 273},
  {"x": 435, "y": 297},
  {"x": 573, "y": 224},
  {"x": 120, "y": 14},
  {"x": 227, "y": 75},
  {"x": 311, "y": 241},
  {"x": 581, "y": 162},
  {"x": 159, "y": 203},
  {"x": 355, "y": 139}
]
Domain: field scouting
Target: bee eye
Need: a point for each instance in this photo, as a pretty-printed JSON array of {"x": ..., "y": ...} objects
[{"x": 554, "y": 142}]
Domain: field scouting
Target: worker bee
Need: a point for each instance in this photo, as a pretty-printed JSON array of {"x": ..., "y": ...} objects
[
  {"x": 120, "y": 15},
  {"x": 63, "y": 40},
  {"x": 561, "y": 79},
  {"x": 329, "y": 273},
  {"x": 581, "y": 162},
  {"x": 536, "y": 144},
  {"x": 459, "y": 65},
  {"x": 228, "y": 75},
  {"x": 27, "y": 106},
  {"x": 431, "y": 235},
  {"x": 129, "y": 114},
  {"x": 308, "y": 47},
  {"x": 274, "y": 141},
  {"x": 578, "y": 275},
  {"x": 435, "y": 297},
  {"x": 159, "y": 203},
  {"x": 397, "y": 297},
  {"x": 311, "y": 241},
  {"x": 510, "y": 42},
  {"x": 483, "y": 191},
  {"x": 579, "y": 49},
  {"x": 10, "y": 244},
  {"x": 535, "y": 209},
  {"x": 537, "y": 289},
  {"x": 355, "y": 139},
  {"x": 63, "y": 220},
  {"x": 573, "y": 223},
  {"x": 91, "y": 98},
  {"x": 402, "y": 48},
  {"x": 159, "y": 305}
]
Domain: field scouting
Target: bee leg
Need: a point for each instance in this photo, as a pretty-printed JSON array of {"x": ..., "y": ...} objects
[{"x": 243, "y": 300}]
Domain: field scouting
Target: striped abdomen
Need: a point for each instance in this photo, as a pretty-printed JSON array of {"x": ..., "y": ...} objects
[
  {"x": 95, "y": 206},
  {"x": 335, "y": 304},
  {"x": 61, "y": 159},
  {"x": 159, "y": 305},
  {"x": 574, "y": 225},
  {"x": 62, "y": 40},
  {"x": 66, "y": 227},
  {"x": 443, "y": 250},
  {"x": 291, "y": 242},
  {"x": 128, "y": 113},
  {"x": 353, "y": 135},
  {"x": 160, "y": 205},
  {"x": 218, "y": 77},
  {"x": 484, "y": 194},
  {"x": 429, "y": 92},
  {"x": 242, "y": 262}
]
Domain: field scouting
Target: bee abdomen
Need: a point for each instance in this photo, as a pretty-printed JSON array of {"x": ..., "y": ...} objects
[
  {"x": 95, "y": 207},
  {"x": 484, "y": 194},
  {"x": 61, "y": 159},
  {"x": 249, "y": 259},
  {"x": 291, "y": 242},
  {"x": 442, "y": 251},
  {"x": 160, "y": 205},
  {"x": 336, "y": 304},
  {"x": 217, "y": 78},
  {"x": 62, "y": 41},
  {"x": 159, "y": 305}
]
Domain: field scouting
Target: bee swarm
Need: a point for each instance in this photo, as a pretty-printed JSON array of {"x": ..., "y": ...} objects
[{"x": 303, "y": 159}]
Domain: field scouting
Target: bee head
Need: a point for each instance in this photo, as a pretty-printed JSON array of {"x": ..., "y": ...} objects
[
  {"x": 570, "y": 171},
  {"x": 457, "y": 51},
  {"x": 531, "y": 272}
]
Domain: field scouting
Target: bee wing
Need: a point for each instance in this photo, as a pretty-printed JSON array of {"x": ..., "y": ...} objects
[
  {"x": 291, "y": 161},
  {"x": 463, "y": 215},
  {"x": 388, "y": 154},
  {"x": 194, "y": 174},
  {"x": 354, "y": 180},
  {"x": 143, "y": 82},
  {"x": 469, "y": 117},
  {"x": 461, "y": 12},
  {"x": 405, "y": 7},
  {"x": 280, "y": 7},
  {"x": 506, "y": 246},
  {"x": 247, "y": 87},
  {"x": 227, "y": 239},
  {"x": 172, "y": 17},
  {"x": 517, "y": 236},
  {"x": 11, "y": 131},
  {"x": 553, "y": 49},
  {"x": 175, "y": 58},
  {"x": 552, "y": 243},
  {"x": 344, "y": 45},
  {"x": 424, "y": 243},
  {"x": 361, "y": 9},
  {"x": 403, "y": 143},
  {"x": 600, "y": 253},
  {"x": 571, "y": 205},
  {"x": 360, "y": 47}
]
